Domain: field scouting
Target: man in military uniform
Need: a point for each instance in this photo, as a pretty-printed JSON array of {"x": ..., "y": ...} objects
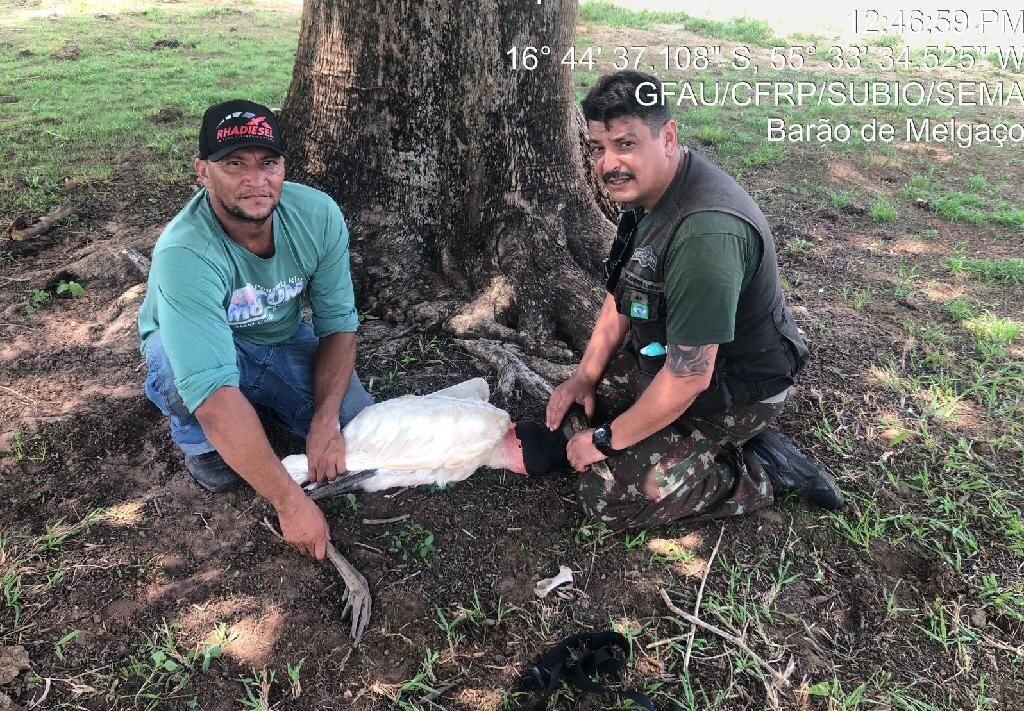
[{"x": 709, "y": 348}]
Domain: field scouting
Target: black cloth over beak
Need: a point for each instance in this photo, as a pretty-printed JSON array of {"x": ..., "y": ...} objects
[{"x": 543, "y": 450}]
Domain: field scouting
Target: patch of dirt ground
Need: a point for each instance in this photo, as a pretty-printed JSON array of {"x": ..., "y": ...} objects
[{"x": 121, "y": 574}]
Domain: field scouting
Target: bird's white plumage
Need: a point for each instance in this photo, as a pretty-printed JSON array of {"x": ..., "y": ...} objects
[{"x": 429, "y": 439}]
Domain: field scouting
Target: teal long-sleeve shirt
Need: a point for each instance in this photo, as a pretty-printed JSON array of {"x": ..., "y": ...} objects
[{"x": 206, "y": 290}]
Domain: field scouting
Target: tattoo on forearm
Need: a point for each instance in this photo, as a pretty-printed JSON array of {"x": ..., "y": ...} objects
[{"x": 688, "y": 360}]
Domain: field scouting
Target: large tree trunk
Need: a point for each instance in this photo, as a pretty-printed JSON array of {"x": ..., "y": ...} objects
[{"x": 463, "y": 180}]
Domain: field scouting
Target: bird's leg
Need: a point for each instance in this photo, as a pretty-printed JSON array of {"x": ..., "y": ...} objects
[
  {"x": 341, "y": 485},
  {"x": 357, "y": 598},
  {"x": 357, "y": 593}
]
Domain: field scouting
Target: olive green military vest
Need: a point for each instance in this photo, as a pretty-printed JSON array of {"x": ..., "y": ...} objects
[{"x": 767, "y": 351}]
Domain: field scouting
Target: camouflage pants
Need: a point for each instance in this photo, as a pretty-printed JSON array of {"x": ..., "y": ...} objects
[{"x": 694, "y": 469}]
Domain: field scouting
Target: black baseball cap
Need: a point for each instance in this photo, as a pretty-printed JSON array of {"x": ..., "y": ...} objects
[{"x": 235, "y": 124}]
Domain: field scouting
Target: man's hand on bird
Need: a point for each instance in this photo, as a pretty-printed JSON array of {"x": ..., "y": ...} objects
[
  {"x": 325, "y": 450},
  {"x": 576, "y": 389},
  {"x": 303, "y": 526},
  {"x": 582, "y": 452}
]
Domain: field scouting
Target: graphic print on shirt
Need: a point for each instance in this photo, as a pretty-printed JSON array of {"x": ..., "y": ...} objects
[{"x": 254, "y": 304}]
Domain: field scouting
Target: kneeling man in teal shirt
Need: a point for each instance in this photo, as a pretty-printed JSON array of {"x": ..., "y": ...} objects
[{"x": 222, "y": 328}]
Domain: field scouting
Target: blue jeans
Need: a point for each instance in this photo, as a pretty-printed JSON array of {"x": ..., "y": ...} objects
[{"x": 277, "y": 380}]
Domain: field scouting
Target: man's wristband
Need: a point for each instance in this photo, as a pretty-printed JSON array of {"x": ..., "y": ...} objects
[{"x": 602, "y": 439}]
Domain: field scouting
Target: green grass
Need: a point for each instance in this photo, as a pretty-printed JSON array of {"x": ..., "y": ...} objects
[
  {"x": 864, "y": 524},
  {"x": 54, "y": 139},
  {"x": 798, "y": 245},
  {"x": 764, "y": 154},
  {"x": 993, "y": 334},
  {"x": 713, "y": 135},
  {"x": 737, "y": 29},
  {"x": 858, "y": 298},
  {"x": 931, "y": 333},
  {"x": 889, "y": 39},
  {"x": 958, "y": 308},
  {"x": 841, "y": 199},
  {"x": 837, "y": 695},
  {"x": 903, "y": 279},
  {"x": 1003, "y": 599},
  {"x": 33, "y": 449},
  {"x": 1005, "y": 270},
  {"x": 946, "y": 486},
  {"x": 976, "y": 205},
  {"x": 27, "y": 563},
  {"x": 962, "y": 497},
  {"x": 978, "y": 183},
  {"x": 257, "y": 686},
  {"x": 882, "y": 210}
]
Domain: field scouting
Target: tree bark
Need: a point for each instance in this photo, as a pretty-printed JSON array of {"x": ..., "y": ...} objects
[{"x": 462, "y": 178}]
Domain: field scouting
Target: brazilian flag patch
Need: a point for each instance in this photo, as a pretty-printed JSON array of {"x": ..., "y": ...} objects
[{"x": 638, "y": 309}]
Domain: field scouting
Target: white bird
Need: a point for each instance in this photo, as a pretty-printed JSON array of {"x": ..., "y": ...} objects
[
  {"x": 430, "y": 439},
  {"x": 435, "y": 439}
]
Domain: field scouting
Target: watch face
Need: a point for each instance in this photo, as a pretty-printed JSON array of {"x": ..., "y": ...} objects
[{"x": 603, "y": 439}]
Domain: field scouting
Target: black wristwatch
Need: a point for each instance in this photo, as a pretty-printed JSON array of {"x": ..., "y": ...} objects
[{"x": 602, "y": 439}]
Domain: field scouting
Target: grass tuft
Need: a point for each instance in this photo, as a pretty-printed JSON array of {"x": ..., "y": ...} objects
[
  {"x": 737, "y": 29},
  {"x": 1006, "y": 270},
  {"x": 993, "y": 334},
  {"x": 975, "y": 206},
  {"x": 841, "y": 199},
  {"x": 882, "y": 211},
  {"x": 959, "y": 308}
]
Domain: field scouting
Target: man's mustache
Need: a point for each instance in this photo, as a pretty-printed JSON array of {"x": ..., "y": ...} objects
[{"x": 616, "y": 175}]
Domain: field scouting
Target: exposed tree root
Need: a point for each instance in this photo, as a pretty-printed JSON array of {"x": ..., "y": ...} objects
[
  {"x": 19, "y": 231},
  {"x": 508, "y": 363},
  {"x": 481, "y": 317},
  {"x": 429, "y": 315},
  {"x": 552, "y": 372},
  {"x": 496, "y": 314},
  {"x": 503, "y": 358},
  {"x": 475, "y": 323},
  {"x": 138, "y": 260}
]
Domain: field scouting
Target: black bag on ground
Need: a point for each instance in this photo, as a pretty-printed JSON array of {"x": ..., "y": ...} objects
[{"x": 597, "y": 656}]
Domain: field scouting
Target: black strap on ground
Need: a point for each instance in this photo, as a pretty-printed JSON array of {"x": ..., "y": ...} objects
[{"x": 596, "y": 656}]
